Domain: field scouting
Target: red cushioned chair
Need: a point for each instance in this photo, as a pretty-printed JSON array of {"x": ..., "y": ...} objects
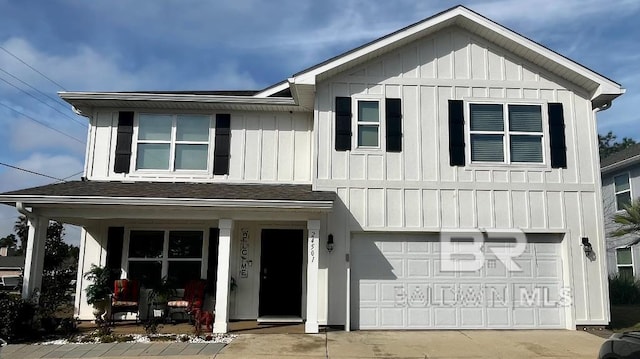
[
  {"x": 191, "y": 301},
  {"x": 126, "y": 297}
]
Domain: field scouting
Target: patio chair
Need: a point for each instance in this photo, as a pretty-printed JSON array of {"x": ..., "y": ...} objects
[
  {"x": 191, "y": 301},
  {"x": 126, "y": 298}
]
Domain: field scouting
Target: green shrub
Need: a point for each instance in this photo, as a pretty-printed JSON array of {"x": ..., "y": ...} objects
[
  {"x": 623, "y": 290},
  {"x": 16, "y": 317}
]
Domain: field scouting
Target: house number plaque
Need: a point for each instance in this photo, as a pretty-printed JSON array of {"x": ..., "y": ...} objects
[
  {"x": 244, "y": 254},
  {"x": 312, "y": 246}
]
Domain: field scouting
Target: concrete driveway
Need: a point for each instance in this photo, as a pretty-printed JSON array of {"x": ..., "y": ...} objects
[{"x": 417, "y": 344}]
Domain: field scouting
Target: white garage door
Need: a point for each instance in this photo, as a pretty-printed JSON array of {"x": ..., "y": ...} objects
[{"x": 397, "y": 283}]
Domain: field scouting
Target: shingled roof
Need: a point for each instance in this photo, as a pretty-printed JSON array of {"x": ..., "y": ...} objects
[
  {"x": 84, "y": 189},
  {"x": 11, "y": 261},
  {"x": 626, "y": 154}
]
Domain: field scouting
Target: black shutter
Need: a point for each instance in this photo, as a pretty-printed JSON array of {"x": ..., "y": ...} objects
[
  {"x": 456, "y": 133},
  {"x": 222, "y": 144},
  {"x": 115, "y": 242},
  {"x": 343, "y": 123},
  {"x": 394, "y": 124},
  {"x": 123, "y": 142},
  {"x": 556, "y": 136}
]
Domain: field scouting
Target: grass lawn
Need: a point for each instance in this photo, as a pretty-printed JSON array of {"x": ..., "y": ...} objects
[{"x": 625, "y": 318}]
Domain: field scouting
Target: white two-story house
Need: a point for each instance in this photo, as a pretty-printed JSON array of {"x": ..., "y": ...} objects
[{"x": 390, "y": 187}]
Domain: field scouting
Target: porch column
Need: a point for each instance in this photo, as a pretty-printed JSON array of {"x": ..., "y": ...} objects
[
  {"x": 222, "y": 285},
  {"x": 34, "y": 256},
  {"x": 313, "y": 227}
]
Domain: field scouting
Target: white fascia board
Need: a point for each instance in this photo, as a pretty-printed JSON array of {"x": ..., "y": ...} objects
[
  {"x": 606, "y": 86},
  {"x": 79, "y": 96},
  {"x": 272, "y": 90},
  {"x": 189, "y": 202}
]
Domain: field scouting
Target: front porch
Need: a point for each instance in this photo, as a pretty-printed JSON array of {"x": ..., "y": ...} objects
[{"x": 218, "y": 233}]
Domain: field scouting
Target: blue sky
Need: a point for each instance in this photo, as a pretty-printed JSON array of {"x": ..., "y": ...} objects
[{"x": 119, "y": 45}]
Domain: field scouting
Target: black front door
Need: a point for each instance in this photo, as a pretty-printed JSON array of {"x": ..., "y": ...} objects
[{"x": 281, "y": 272}]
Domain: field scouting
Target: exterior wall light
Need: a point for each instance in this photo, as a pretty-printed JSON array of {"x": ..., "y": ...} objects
[
  {"x": 586, "y": 246},
  {"x": 330, "y": 243}
]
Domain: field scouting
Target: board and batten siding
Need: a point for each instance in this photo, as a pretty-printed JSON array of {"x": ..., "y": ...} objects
[
  {"x": 266, "y": 147},
  {"x": 417, "y": 189}
]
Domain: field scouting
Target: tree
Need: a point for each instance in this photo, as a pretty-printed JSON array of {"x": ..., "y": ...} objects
[
  {"x": 59, "y": 269},
  {"x": 9, "y": 241},
  {"x": 608, "y": 144},
  {"x": 629, "y": 221}
]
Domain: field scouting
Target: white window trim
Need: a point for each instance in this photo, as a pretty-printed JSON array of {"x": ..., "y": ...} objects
[
  {"x": 204, "y": 260},
  {"x": 381, "y": 124},
  {"x": 546, "y": 152},
  {"x": 616, "y": 193},
  {"x": 172, "y": 145},
  {"x": 633, "y": 260}
]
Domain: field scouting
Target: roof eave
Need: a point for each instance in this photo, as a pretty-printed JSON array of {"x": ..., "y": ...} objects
[
  {"x": 620, "y": 164},
  {"x": 30, "y": 200},
  {"x": 85, "y": 101}
]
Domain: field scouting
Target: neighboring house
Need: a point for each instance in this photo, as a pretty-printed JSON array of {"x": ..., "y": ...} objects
[
  {"x": 620, "y": 185},
  {"x": 10, "y": 269},
  {"x": 325, "y": 197}
]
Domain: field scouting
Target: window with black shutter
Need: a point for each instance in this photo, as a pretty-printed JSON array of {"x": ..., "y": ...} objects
[
  {"x": 122, "y": 162},
  {"x": 222, "y": 147},
  {"x": 343, "y": 124}
]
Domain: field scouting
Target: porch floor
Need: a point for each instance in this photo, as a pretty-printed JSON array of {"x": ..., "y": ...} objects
[{"x": 242, "y": 326}]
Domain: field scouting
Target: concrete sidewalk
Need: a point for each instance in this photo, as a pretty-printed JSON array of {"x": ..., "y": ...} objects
[
  {"x": 338, "y": 344},
  {"x": 418, "y": 344}
]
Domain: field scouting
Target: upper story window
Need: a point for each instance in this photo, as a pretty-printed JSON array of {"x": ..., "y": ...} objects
[
  {"x": 624, "y": 262},
  {"x": 623, "y": 191},
  {"x": 375, "y": 123},
  {"x": 511, "y": 135},
  {"x": 368, "y": 124},
  {"x": 172, "y": 142}
]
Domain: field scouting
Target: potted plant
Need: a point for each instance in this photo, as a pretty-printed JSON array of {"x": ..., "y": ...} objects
[
  {"x": 99, "y": 290},
  {"x": 160, "y": 294}
]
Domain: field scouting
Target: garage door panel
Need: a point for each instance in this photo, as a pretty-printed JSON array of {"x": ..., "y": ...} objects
[
  {"x": 392, "y": 317},
  {"x": 472, "y": 317},
  {"x": 418, "y": 268},
  {"x": 445, "y": 317},
  {"x": 397, "y": 266},
  {"x": 392, "y": 247},
  {"x": 494, "y": 268},
  {"x": 418, "y": 295},
  {"x": 369, "y": 318},
  {"x": 550, "y": 317},
  {"x": 388, "y": 292},
  {"x": 398, "y": 283},
  {"x": 439, "y": 273},
  {"x": 418, "y": 247},
  {"x": 369, "y": 292},
  {"x": 548, "y": 268},
  {"x": 526, "y": 266},
  {"x": 419, "y": 318},
  {"x": 524, "y": 317},
  {"x": 498, "y": 317}
]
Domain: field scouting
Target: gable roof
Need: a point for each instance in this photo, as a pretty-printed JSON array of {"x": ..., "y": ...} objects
[
  {"x": 298, "y": 92},
  {"x": 617, "y": 160},
  {"x": 602, "y": 89}
]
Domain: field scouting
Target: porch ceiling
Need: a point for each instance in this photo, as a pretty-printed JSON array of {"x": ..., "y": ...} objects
[{"x": 83, "y": 194}]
